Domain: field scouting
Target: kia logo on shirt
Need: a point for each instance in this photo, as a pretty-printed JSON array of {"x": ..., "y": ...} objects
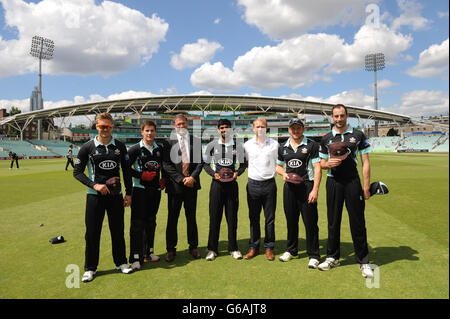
[
  {"x": 152, "y": 165},
  {"x": 108, "y": 164},
  {"x": 225, "y": 162},
  {"x": 294, "y": 163}
]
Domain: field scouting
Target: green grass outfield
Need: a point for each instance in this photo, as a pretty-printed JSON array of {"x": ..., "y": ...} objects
[{"x": 408, "y": 235}]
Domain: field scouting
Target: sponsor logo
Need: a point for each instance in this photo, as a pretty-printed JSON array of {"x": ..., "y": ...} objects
[
  {"x": 294, "y": 163},
  {"x": 108, "y": 164},
  {"x": 225, "y": 162},
  {"x": 152, "y": 165}
]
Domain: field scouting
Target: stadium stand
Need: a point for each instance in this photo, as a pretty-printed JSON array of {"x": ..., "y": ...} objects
[
  {"x": 418, "y": 142},
  {"x": 55, "y": 146},
  {"x": 384, "y": 144},
  {"x": 442, "y": 144},
  {"x": 25, "y": 149}
]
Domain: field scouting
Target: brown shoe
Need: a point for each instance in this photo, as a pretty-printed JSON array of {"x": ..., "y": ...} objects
[
  {"x": 251, "y": 253},
  {"x": 269, "y": 254},
  {"x": 170, "y": 256},
  {"x": 194, "y": 252}
]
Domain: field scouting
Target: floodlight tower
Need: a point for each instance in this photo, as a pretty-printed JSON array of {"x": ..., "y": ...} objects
[
  {"x": 374, "y": 62},
  {"x": 41, "y": 48}
]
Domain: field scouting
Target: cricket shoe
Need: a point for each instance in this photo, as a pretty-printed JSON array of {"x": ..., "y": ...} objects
[
  {"x": 329, "y": 263},
  {"x": 88, "y": 276},
  {"x": 366, "y": 271},
  {"x": 151, "y": 258},
  {"x": 236, "y": 254},
  {"x": 125, "y": 269},
  {"x": 313, "y": 263},
  {"x": 287, "y": 256},
  {"x": 211, "y": 255}
]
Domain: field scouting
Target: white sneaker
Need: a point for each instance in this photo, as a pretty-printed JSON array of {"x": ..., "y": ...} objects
[
  {"x": 328, "y": 264},
  {"x": 136, "y": 265},
  {"x": 88, "y": 276},
  {"x": 313, "y": 263},
  {"x": 236, "y": 254},
  {"x": 366, "y": 271},
  {"x": 125, "y": 268},
  {"x": 211, "y": 255},
  {"x": 152, "y": 258},
  {"x": 287, "y": 256}
]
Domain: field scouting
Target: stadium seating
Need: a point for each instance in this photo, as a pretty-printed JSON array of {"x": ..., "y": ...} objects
[
  {"x": 23, "y": 148},
  {"x": 56, "y": 146},
  {"x": 384, "y": 144},
  {"x": 418, "y": 142}
]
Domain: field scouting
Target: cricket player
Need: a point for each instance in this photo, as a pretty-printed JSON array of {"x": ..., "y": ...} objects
[
  {"x": 302, "y": 177},
  {"x": 338, "y": 152},
  {"x": 224, "y": 155},
  {"x": 13, "y": 157},
  {"x": 104, "y": 156},
  {"x": 69, "y": 157},
  {"x": 148, "y": 181}
]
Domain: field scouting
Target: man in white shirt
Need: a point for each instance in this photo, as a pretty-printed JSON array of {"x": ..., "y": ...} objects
[{"x": 261, "y": 152}]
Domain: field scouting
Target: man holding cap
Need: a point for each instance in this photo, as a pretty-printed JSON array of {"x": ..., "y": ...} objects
[
  {"x": 261, "y": 152},
  {"x": 302, "y": 179},
  {"x": 224, "y": 155},
  {"x": 338, "y": 152},
  {"x": 104, "y": 157}
]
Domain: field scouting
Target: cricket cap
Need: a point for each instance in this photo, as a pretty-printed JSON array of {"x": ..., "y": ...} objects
[
  {"x": 378, "y": 188},
  {"x": 296, "y": 120},
  {"x": 339, "y": 150}
]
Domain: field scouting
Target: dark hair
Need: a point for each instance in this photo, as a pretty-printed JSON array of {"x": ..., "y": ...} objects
[
  {"x": 147, "y": 123},
  {"x": 223, "y": 122},
  {"x": 338, "y": 106}
]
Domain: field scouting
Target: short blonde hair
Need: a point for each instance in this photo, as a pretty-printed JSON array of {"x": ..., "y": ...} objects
[
  {"x": 260, "y": 119},
  {"x": 104, "y": 116}
]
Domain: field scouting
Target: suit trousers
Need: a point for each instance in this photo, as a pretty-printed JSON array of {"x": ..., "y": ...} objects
[
  {"x": 174, "y": 202},
  {"x": 144, "y": 207},
  {"x": 95, "y": 213},
  {"x": 352, "y": 194},
  {"x": 223, "y": 195},
  {"x": 262, "y": 195}
]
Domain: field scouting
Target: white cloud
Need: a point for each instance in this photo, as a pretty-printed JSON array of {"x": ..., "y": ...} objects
[
  {"x": 424, "y": 103},
  {"x": 432, "y": 62},
  {"x": 384, "y": 84},
  {"x": 297, "y": 62},
  {"x": 410, "y": 16},
  {"x": 89, "y": 39},
  {"x": 193, "y": 54},
  {"x": 217, "y": 21},
  {"x": 281, "y": 19}
]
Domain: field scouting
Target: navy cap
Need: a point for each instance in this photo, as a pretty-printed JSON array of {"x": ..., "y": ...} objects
[{"x": 296, "y": 121}]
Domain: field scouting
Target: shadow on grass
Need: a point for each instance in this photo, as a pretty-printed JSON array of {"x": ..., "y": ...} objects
[{"x": 377, "y": 255}]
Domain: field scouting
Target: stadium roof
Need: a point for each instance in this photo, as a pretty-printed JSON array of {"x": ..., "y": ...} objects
[{"x": 203, "y": 103}]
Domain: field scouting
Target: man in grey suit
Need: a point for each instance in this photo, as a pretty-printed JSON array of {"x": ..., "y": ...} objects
[{"x": 183, "y": 165}]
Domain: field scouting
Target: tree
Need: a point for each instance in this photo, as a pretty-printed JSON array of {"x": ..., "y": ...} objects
[{"x": 11, "y": 130}]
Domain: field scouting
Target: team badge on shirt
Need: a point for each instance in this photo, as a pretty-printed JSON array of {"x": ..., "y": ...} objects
[
  {"x": 304, "y": 150},
  {"x": 352, "y": 140},
  {"x": 117, "y": 152}
]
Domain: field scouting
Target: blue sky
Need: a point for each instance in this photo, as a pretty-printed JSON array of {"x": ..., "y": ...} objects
[{"x": 285, "y": 48}]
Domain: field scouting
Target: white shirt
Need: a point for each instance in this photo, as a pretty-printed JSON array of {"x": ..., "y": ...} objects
[{"x": 262, "y": 160}]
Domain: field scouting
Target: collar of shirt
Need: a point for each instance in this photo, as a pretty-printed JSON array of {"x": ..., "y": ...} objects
[
  {"x": 267, "y": 141},
  {"x": 303, "y": 142},
  {"x": 349, "y": 130},
  {"x": 97, "y": 143},
  {"x": 150, "y": 148},
  {"x": 229, "y": 143}
]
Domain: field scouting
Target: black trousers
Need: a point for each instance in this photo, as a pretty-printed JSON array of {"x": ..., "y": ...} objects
[
  {"x": 69, "y": 161},
  {"x": 352, "y": 194},
  {"x": 223, "y": 195},
  {"x": 144, "y": 207},
  {"x": 174, "y": 202},
  {"x": 95, "y": 212},
  {"x": 12, "y": 163},
  {"x": 262, "y": 195},
  {"x": 295, "y": 201}
]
